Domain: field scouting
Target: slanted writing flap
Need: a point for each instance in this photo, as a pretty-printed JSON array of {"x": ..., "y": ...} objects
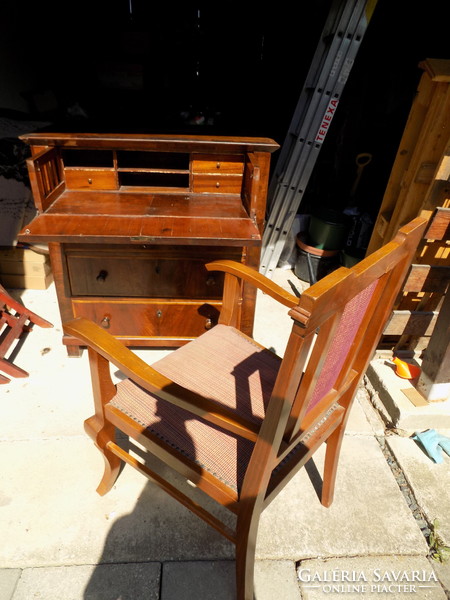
[{"x": 140, "y": 229}]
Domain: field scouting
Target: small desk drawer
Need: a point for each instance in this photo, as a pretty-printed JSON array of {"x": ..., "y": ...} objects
[
  {"x": 217, "y": 184},
  {"x": 222, "y": 163},
  {"x": 90, "y": 179},
  {"x": 148, "y": 318}
]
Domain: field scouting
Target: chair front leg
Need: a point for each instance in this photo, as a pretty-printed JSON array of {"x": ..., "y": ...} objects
[{"x": 97, "y": 427}]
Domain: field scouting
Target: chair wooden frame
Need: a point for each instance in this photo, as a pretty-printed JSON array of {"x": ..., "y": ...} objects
[
  {"x": 12, "y": 327},
  {"x": 298, "y": 419}
]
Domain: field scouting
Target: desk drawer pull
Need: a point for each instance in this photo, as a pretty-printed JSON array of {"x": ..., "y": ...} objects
[
  {"x": 105, "y": 322},
  {"x": 102, "y": 276}
]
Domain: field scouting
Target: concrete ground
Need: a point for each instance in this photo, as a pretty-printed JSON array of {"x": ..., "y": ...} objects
[{"x": 61, "y": 541}]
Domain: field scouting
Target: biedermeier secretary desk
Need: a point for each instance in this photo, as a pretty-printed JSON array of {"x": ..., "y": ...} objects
[{"x": 131, "y": 220}]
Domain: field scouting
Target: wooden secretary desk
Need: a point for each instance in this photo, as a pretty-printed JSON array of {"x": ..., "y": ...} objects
[{"x": 131, "y": 220}]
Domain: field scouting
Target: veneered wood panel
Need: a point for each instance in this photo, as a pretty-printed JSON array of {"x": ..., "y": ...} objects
[
  {"x": 91, "y": 179},
  {"x": 219, "y": 184},
  {"x": 154, "y": 143},
  {"x": 147, "y": 204},
  {"x": 127, "y": 225},
  {"x": 141, "y": 274},
  {"x": 139, "y": 229},
  {"x": 150, "y": 317},
  {"x": 218, "y": 164}
]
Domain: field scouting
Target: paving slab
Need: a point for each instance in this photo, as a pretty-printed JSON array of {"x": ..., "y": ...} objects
[
  {"x": 364, "y": 419},
  {"x": 276, "y": 580},
  {"x": 429, "y": 481},
  {"x": 57, "y": 518},
  {"x": 91, "y": 582},
  {"x": 192, "y": 580},
  {"x": 51, "y": 514},
  {"x": 368, "y": 516},
  {"x": 8, "y": 582},
  {"x": 370, "y": 578},
  {"x": 443, "y": 572},
  {"x": 52, "y": 403},
  {"x": 215, "y": 580}
]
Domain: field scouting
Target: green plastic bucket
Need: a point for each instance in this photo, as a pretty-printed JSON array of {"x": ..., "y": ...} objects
[
  {"x": 314, "y": 263},
  {"x": 329, "y": 231}
]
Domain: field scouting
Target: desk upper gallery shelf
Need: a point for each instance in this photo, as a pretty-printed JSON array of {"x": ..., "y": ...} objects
[{"x": 107, "y": 195}]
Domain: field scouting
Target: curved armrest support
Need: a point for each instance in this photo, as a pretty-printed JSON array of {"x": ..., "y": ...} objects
[
  {"x": 154, "y": 382},
  {"x": 255, "y": 278}
]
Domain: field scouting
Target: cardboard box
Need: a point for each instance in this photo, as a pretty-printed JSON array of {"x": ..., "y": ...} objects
[
  {"x": 27, "y": 282},
  {"x": 23, "y": 268}
]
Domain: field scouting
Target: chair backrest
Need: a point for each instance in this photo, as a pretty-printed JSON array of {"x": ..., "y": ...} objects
[{"x": 337, "y": 325}]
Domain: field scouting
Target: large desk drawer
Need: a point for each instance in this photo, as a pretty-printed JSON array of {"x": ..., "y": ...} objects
[
  {"x": 148, "y": 318},
  {"x": 142, "y": 275}
]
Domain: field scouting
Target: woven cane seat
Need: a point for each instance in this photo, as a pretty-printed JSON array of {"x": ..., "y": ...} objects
[{"x": 223, "y": 365}]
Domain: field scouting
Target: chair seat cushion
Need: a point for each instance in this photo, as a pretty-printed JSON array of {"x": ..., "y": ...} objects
[{"x": 225, "y": 366}]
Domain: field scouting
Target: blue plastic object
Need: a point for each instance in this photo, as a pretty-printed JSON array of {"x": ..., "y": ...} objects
[{"x": 433, "y": 443}]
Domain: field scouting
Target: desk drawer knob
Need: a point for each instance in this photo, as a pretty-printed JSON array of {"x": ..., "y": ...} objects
[
  {"x": 90, "y": 181},
  {"x": 105, "y": 322},
  {"x": 210, "y": 281},
  {"x": 159, "y": 313},
  {"x": 218, "y": 165},
  {"x": 102, "y": 276},
  {"x": 208, "y": 324},
  {"x": 217, "y": 184}
]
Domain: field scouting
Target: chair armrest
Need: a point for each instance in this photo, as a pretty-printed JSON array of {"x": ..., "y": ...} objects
[
  {"x": 154, "y": 382},
  {"x": 256, "y": 279}
]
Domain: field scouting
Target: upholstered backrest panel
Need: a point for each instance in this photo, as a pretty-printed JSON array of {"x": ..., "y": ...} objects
[{"x": 343, "y": 339}]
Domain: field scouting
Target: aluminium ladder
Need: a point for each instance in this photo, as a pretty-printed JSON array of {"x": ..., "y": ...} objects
[{"x": 334, "y": 57}]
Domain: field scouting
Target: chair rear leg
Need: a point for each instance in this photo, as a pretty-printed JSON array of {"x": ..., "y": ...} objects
[
  {"x": 245, "y": 558},
  {"x": 334, "y": 443}
]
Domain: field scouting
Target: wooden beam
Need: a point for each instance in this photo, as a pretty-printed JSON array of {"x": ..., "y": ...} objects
[
  {"x": 439, "y": 228},
  {"x": 426, "y": 278},
  {"x": 407, "y": 322},
  {"x": 434, "y": 381}
]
